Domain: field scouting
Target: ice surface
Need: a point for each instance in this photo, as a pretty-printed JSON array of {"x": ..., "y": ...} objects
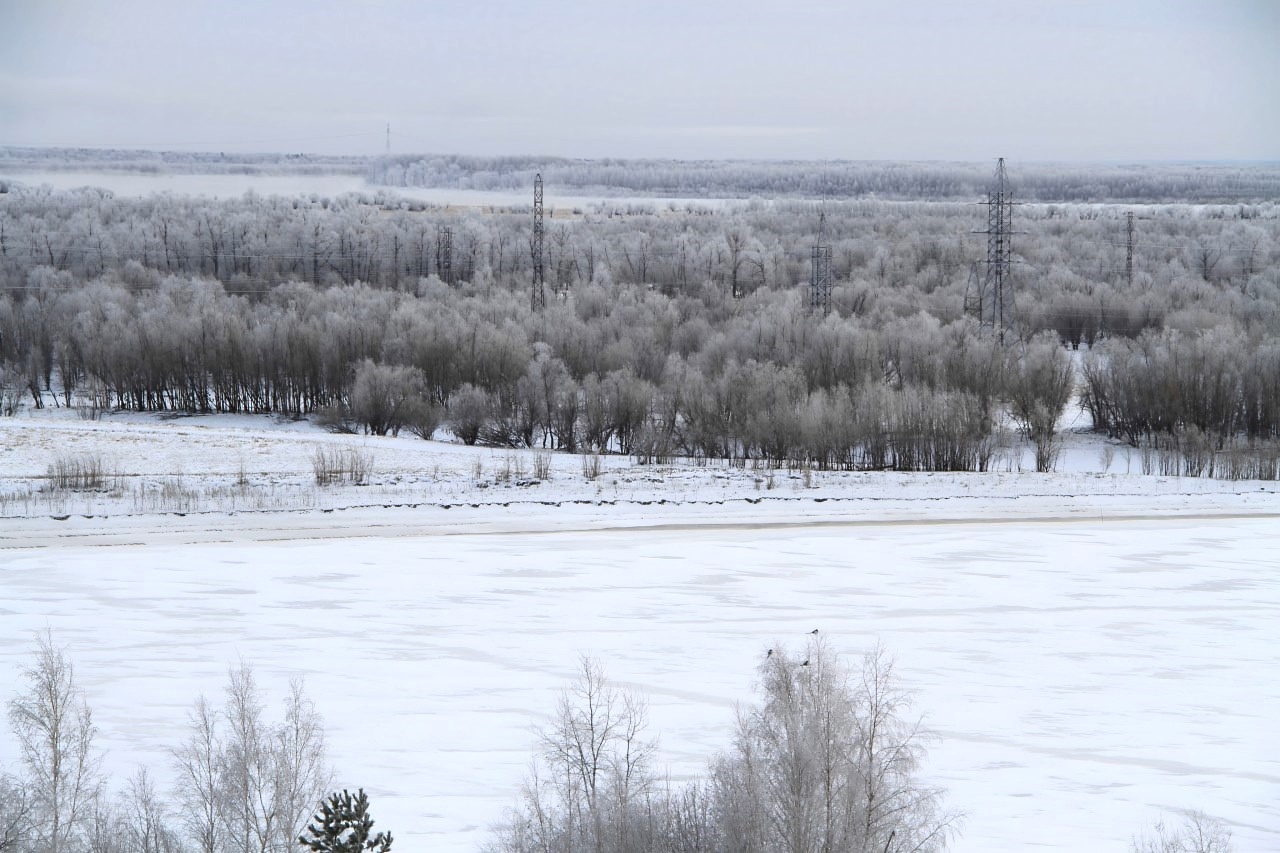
[
  {"x": 1081, "y": 676},
  {"x": 139, "y": 184}
]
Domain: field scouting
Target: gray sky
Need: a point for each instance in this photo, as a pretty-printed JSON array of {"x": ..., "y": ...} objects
[{"x": 858, "y": 79}]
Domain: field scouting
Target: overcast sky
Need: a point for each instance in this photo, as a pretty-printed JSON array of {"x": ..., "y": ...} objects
[{"x": 848, "y": 79}]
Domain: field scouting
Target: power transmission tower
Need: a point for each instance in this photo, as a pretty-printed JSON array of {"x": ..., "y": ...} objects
[
  {"x": 973, "y": 293},
  {"x": 991, "y": 298},
  {"x": 444, "y": 242},
  {"x": 1128, "y": 257},
  {"x": 388, "y": 137},
  {"x": 820, "y": 270},
  {"x": 538, "y": 298}
]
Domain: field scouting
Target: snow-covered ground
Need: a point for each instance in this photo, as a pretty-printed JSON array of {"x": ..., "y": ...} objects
[{"x": 1091, "y": 647}]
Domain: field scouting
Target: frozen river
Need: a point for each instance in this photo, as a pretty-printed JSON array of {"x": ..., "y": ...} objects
[
  {"x": 140, "y": 185},
  {"x": 1081, "y": 676}
]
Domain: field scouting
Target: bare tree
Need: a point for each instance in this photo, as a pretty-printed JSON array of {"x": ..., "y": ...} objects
[
  {"x": 591, "y": 788},
  {"x": 828, "y": 762},
  {"x": 55, "y": 732},
  {"x": 271, "y": 776},
  {"x": 144, "y": 818},
  {"x": 302, "y": 774},
  {"x": 198, "y": 763},
  {"x": 1198, "y": 833},
  {"x": 103, "y": 829}
]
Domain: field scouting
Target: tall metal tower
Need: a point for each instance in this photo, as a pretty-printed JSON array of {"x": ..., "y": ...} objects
[
  {"x": 1128, "y": 257},
  {"x": 991, "y": 297},
  {"x": 538, "y": 298},
  {"x": 444, "y": 241},
  {"x": 820, "y": 270},
  {"x": 388, "y": 137}
]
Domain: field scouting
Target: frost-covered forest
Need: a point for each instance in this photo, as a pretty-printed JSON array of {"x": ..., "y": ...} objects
[
  {"x": 680, "y": 329},
  {"x": 842, "y": 179}
]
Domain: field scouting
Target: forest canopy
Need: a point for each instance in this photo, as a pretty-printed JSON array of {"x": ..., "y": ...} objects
[{"x": 674, "y": 329}]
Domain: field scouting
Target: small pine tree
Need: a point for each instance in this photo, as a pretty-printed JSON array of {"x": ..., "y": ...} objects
[{"x": 343, "y": 825}]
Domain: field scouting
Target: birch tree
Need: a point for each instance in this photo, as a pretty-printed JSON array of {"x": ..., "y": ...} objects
[{"x": 55, "y": 733}]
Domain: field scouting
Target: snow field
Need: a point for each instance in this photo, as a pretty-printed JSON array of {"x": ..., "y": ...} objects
[{"x": 159, "y": 466}]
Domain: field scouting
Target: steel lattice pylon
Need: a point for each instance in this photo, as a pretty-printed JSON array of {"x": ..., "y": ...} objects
[
  {"x": 538, "y": 297},
  {"x": 991, "y": 297},
  {"x": 820, "y": 269},
  {"x": 1128, "y": 256},
  {"x": 445, "y": 262},
  {"x": 820, "y": 279}
]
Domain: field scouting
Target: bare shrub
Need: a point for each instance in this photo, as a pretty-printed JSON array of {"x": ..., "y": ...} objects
[
  {"x": 591, "y": 466},
  {"x": 422, "y": 417},
  {"x": 88, "y": 411},
  {"x": 1197, "y": 452},
  {"x": 1252, "y": 461},
  {"x": 470, "y": 409},
  {"x": 384, "y": 397},
  {"x": 77, "y": 473},
  {"x": 336, "y": 418},
  {"x": 341, "y": 465},
  {"x": 653, "y": 446},
  {"x": 542, "y": 466}
]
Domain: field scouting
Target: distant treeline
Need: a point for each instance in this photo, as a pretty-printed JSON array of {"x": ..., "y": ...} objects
[
  {"x": 838, "y": 179},
  {"x": 1199, "y": 183},
  {"x": 17, "y": 159}
]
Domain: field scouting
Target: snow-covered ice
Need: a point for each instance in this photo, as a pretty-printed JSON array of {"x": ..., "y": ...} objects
[{"x": 142, "y": 184}]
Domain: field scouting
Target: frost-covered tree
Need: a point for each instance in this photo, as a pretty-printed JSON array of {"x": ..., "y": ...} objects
[
  {"x": 1041, "y": 381},
  {"x": 828, "y": 760},
  {"x": 245, "y": 783},
  {"x": 54, "y": 729},
  {"x": 592, "y": 786},
  {"x": 1196, "y": 833}
]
